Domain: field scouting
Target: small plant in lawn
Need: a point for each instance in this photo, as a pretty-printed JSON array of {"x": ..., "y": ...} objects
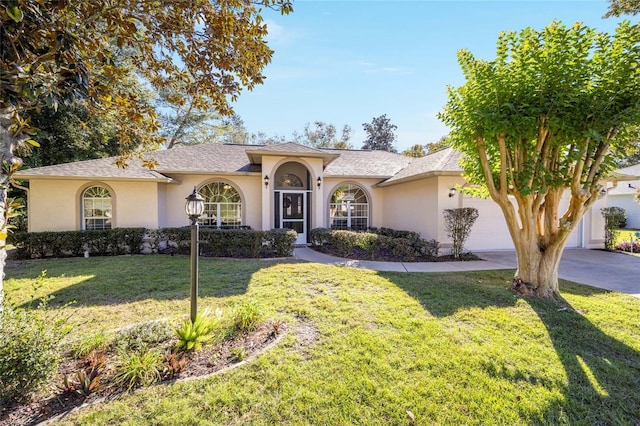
[
  {"x": 238, "y": 354},
  {"x": 191, "y": 335},
  {"x": 246, "y": 317},
  {"x": 138, "y": 369},
  {"x": 174, "y": 364},
  {"x": 276, "y": 327}
]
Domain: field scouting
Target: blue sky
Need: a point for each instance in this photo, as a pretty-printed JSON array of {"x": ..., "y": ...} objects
[{"x": 345, "y": 62}]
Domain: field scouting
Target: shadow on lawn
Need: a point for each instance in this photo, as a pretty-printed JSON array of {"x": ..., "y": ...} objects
[
  {"x": 603, "y": 373},
  {"x": 111, "y": 281}
]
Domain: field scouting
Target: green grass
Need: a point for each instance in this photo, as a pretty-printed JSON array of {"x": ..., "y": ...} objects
[{"x": 451, "y": 348}]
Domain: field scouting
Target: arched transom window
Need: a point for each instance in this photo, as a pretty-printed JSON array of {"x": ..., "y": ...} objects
[
  {"x": 349, "y": 208},
  {"x": 289, "y": 180},
  {"x": 222, "y": 206},
  {"x": 97, "y": 211}
]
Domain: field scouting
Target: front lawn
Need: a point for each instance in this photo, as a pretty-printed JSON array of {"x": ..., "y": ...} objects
[{"x": 364, "y": 347}]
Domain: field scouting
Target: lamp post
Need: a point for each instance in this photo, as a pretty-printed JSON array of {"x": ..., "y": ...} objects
[{"x": 194, "y": 208}]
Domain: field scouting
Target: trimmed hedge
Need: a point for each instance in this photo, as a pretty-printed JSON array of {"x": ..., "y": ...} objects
[
  {"x": 405, "y": 244},
  {"x": 244, "y": 243},
  {"x": 104, "y": 242}
]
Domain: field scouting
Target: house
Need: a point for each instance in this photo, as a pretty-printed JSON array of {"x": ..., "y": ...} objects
[
  {"x": 623, "y": 194},
  {"x": 275, "y": 186}
]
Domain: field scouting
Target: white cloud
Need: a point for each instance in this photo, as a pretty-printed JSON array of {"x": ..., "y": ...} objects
[{"x": 373, "y": 68}]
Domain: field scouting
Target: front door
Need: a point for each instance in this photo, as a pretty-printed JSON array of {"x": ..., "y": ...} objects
[{"x": 293, "y": 208}]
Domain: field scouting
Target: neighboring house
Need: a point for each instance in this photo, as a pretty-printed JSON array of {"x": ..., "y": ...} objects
[
  {"x": 624, "y": 195},
  {"x": 275, "y": 186}
]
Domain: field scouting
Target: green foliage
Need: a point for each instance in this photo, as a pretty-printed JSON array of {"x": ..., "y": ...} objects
[
  {"x": 192, "y": 335},
  {"x": 238, "y": 354},
  {"x": 324, "y": 135},
  {"x": 74, "y": 243},
  {"x": 240, "y": 243},
  {"x": 380, "y": 134},
  {"x": 623, "y": 7},
  {"x": 90, "y": 343},
  {"x": 143, "y": 336},
  {"x": 246, "y": 317},
  {"x": 405, "y": 244},
  {"x": 549, "y": 116},
  {"x": 29, "y": 349},
  {"x": 138, "y": 369},
  {"x": 614, "y": 217},
  {"x": 458, "y": 224}
]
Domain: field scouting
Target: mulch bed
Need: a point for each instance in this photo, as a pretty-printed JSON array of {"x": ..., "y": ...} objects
[{"x": 212, "y": 359}]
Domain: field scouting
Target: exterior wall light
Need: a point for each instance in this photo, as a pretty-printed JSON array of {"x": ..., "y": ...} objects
[
  {"x": 266, "y": 180},
  {"x": 452, "y": 192},
  {"x": 319, "y": 181},
  {"x": 194, "y": 208}
]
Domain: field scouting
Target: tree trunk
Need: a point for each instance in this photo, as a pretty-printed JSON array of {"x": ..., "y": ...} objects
[{"x": 537, "y": 272}]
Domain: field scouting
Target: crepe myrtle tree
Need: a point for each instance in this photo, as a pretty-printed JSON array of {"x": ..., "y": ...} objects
[
  {"x": 546, "y": 118},
  {"x": 52, "y": 52}
]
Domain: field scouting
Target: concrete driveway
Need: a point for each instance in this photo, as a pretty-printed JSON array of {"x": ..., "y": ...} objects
[{"x": 597, "y": 268}]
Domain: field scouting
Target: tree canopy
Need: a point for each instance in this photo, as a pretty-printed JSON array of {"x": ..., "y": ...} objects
[
  {"x": 623, "y": 7},
  {"x": 549, "y": 115},
  {"x": 380, "y": 134},
  {"x": 325, "y": 135},
  {"x": 54, "y": 52}
]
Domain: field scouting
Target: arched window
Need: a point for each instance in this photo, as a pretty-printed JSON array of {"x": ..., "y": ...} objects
[
  {"x": 289, "y": 180},
  {"x": 349, "y": 208},
  {"x": 222, "y": 206},
  {"x": 96, "y": 208}
]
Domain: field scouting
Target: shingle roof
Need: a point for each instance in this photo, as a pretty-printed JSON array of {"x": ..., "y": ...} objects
[
  {"x": 206, "y": 158},
  {"x": 443, "y": 161},
  {"x": 100, "y": 169},
  {"x": 355, "y": 163},
  {"x": 229, "y": 158}
]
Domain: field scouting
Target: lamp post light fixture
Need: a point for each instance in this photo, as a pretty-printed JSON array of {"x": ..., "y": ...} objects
[{"x": 194, "y": 209}]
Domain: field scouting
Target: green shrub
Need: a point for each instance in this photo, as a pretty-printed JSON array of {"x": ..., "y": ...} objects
[
  {"x": 192, "y": 335},
  {"x": 29, "y": 349},
  {"x": 319, "y": 236},
  {"x": 405, "y": 244},
  {"x": 371, "y": 243},
  {"x": 396, "y": 233},
  {"x": 614, "y": 217},
  {"x": 139, "y": 369},
  {"x": 343, "y": 241},
  {"x": 458, "y": 224},
  {"x": 102, "y": 242}
]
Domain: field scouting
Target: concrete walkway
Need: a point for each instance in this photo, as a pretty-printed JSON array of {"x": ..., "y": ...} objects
[{"x": 597, "y": 268}]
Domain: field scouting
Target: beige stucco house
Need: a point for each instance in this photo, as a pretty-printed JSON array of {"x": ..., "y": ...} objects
[{"x": 275, "y": 186}]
